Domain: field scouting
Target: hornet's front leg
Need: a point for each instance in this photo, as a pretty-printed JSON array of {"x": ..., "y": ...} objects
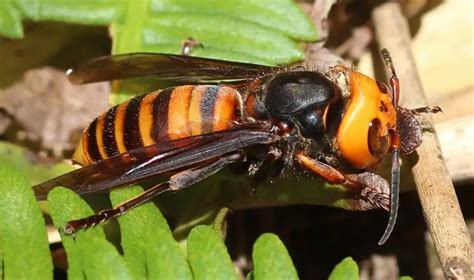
[{"x": 371, "y": 190}]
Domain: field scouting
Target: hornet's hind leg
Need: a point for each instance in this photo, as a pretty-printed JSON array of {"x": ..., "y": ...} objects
[{"x": 177, "y": 182}]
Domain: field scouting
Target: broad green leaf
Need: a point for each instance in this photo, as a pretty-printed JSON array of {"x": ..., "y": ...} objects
[
  {"x": 290, "y": 189},
  {"x": 243, "y": 30},
  {"x": 222, "y": 33},
  {"x": 97, "y": 12},
  {"x": 406, "y": 278},
  {"x": 347, "y": 269},
  {"x": 230, "y": 30},
  {"x": 149, "y": 247},
  {"x": 223, "y": 36},
  {"x": 90, "y": 255},
  {"x": 36, "y": 172},
  {"x": 28, "y": 8},
  {"x": 23, "y": 240},
  {"x": 10, "y": 20},
  {"x": 208, "y": 255},
  {"x": 162, "y": 27},
  {"x": 271, "y": 259},
  {"x": 242, "y": 40},
  {"x": 281, "y": 15}
]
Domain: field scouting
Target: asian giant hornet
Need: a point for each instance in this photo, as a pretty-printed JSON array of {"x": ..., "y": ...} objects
[{"x": 337, "y": 125}]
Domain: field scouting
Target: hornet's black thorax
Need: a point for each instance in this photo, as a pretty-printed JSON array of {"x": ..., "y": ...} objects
[{"x": 299, "y": 99}]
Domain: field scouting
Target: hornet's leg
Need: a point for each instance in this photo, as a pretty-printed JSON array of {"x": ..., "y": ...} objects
[
  {"x": 422, "y": 110},
  {"x": 373, "y": 190},
  {"x": 188, "y": 45},
  {"x": 177, "y": 182},
  {"x": 265, "y": 170}
]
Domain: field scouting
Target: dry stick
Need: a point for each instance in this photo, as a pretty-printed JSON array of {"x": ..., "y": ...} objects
[{"x": 438, "y": 199}]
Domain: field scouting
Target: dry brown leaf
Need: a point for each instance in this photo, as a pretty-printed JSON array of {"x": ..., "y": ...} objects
[
  {"x": 319, "y": 15},
  {"x": 318, "y": 57},
  {"x": 357, "y": 44},
  {"x": 50, "y": 110}
]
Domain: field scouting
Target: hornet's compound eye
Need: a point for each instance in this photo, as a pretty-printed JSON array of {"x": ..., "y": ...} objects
[{"x": 378, "y": 144}]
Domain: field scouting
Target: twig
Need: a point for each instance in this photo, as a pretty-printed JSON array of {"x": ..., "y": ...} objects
[{"x": 438, "y": 199}]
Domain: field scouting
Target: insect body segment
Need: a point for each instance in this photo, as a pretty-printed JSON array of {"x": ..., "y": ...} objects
[
  {"x": 162, "y": 116},
  {"x": 296, "y": 100},
  {"x": 363, "y": 136}
]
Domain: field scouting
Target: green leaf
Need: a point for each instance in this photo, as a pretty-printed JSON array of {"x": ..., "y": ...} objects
[
  {"x": 208, "y": 255},
  {"x": 29, "y": 8},
  {"x": 21, "y": 159},
  {"x": 223, "y": 34},
  {"x": 406, "y": 278},
  {"x": 10, "y": 21},
  {"x": 309, "y": 191},
  {"x": 97, "y": 12},
  {"x": 271, "y": 259},
  {"x": 90, "y": 255},
  {"x": 220, "y": 33},
  {"x": 149, "y": 247},
  {"x": 242, "y": 30},
  {"x": 347, "y": 269},
  {"x": 281, "y": 15},
  {"x": 23, "y": 240}
]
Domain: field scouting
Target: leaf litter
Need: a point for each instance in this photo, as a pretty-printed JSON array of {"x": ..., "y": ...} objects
[{"x": 49, "y": 113}]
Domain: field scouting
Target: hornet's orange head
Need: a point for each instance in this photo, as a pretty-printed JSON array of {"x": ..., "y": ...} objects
[
  {"x": 373, "y": 124},
  {"x": 366, "y": 131}
]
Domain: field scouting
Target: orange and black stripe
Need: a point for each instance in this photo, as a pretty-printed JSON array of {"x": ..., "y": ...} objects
[
  {"x": 91, "y": 149},
  {"x": 160, "y": 105},
  {"x": 131, "y": 129},
  {"x": 108, "y": 133},
  {"x": 160, "y": 117}
]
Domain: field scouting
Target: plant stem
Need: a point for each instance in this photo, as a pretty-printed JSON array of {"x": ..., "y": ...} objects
[{"x": 435, "y": 188}]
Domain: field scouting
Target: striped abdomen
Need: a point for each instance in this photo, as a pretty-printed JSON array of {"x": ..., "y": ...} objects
[{"x": 160, "y": 116}]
